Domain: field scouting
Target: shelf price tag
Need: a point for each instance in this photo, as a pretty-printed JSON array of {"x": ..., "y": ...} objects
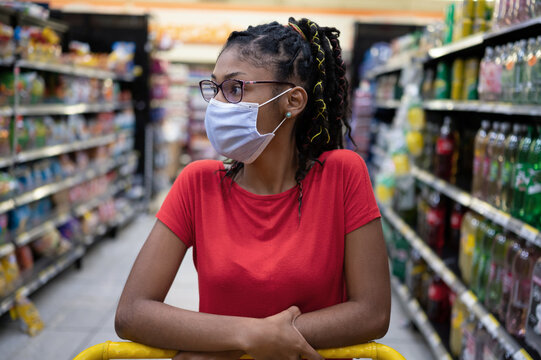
[
  {"x": 528, "y": 232},
  {"x": 491, "y": 324},
  {"x": 521, "y": 355},
  {"x": 502, "y": 218},
  {"x": 468, "y": 298}
]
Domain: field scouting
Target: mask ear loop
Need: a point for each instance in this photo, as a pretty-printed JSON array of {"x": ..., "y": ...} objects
[{"x": 276, "y": 97}]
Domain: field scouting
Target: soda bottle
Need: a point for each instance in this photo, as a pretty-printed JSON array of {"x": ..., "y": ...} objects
[
  {"x": 521, "y": 175},
  {"x": 436, "y": 222},
  {"x": 536, "y": 71},
  {"x": 399, "y": 250},
  {"x": 464, "y": 164},
  {"x": 519, "y": 72},
  {"x": 468, "y": 231},
  {"x": 521, "y": 11},
  {"x": 486, "y": 234},
  {"x": 496, "y": 272},
  {"x": 497, "y": 15},
  {"x": 452, "y": 246},
  {"x": 508, "y": 71},
  {"x": 459, "y": 314},
  {"x": 517, "y": 310},
  {"x": 479, "y": 150},
  {"x": 529, "y": 93},
  {"x": 489, "y": 155},
  {"x": 445, "y": 152},
  {"x": 469, "y": 341},
  {"x": 513, "y": 248},
  {"x": 533, "y": 323},
  {"x": 496, "y": 165},
  {"x": 490, "y": 73},
  {"x": 426, "y": 280},
  {"x": 532, "y": 202},
  {"x": 438, "y": 309},
  {"x": 493, "y": 350},
  {"x": 404, "y": 198},
  {"x": 507, "y": 18},
  {"x": 508, "y": 171}
]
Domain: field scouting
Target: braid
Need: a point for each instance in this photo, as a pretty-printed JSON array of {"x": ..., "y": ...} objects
[{"x": 312, "y": 54}]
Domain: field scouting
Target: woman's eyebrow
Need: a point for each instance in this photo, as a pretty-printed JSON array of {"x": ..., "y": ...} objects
[{"x": 229, "y": 76}]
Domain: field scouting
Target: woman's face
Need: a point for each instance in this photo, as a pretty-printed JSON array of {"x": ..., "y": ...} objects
[{"x": 229, "y": 66}]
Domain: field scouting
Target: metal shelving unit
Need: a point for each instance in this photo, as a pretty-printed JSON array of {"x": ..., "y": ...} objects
[
  {"x": 520, "y": 228},
  {"x": 75, "y": 70},
  {"x": 456, "y": 46},
  {"x": 6, "y": 111},
  {"x": 64, "y": 109},
  {"x": 387, "y": 104},
  {"x": 482, "y": 107},
  {"x": 420, "y": 319},
  {"x": 494, "y": 328},
  {"x": 6, "y": 249},
  {"x": 34, "y": 233}
]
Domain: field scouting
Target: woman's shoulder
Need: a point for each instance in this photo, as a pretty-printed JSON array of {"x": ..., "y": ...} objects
[
  {"x": 201, "y": 169},
  {"x": 342, "y": 158}
]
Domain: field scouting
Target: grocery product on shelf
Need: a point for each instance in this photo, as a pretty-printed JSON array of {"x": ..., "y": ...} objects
[
  {"x": 11, "y": 270},
  {"x": 508, "y": 171},
  {"x": 496, "y": 272},
  {"x": 447, "y": 152},
  {"x": 513, "y": 248},
  {"x": 442, "y": 82},
  {"x": 481, "y": 257},
  {"x": 533, "y": 323},
  {"x": 522, "y": 174},
  {"x": 495, "y": 153},
  {"x": 532, "y": 202},
  {"x": 517, "y": 309},
  {"x": 438, "y": 308},
  {"x": 468, "y": 232},
  {"x": 435, "y": 219}
]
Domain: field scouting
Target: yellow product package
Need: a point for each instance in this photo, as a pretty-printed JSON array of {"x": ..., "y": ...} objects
[{"x": 28, "y": 314}]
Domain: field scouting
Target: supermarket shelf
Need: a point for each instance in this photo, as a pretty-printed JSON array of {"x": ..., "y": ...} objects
[
  {"x": 514, "y": 28},
  {"x": 67, "y": 69},
  {"x": 6, "y": 111},
  {"x": 6, "y": 161},
  {"x": 6, "y": 249},
  {"x": 420, "y": 319},
  {"x": 482, "y": 107},
  {"x": 387, "y": 104},
  {"x": 43, "y": 277},
  {"x": 42, "y": 229},
  {"x": 26, "y": 19},
  {"x": 494, "y": 328},
  {"x": 62, "y": 109},
  {"x": 65, "y": 148},
  {"x": 460, "y": 45},
  {"x": 7, "y": 61},
  {"x": 520, "y": 228},
  {"x": 390, "y": 67}
]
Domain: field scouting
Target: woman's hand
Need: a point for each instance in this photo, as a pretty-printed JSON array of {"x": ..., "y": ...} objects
[
  {"x": 222, "y": 355},
  {"x": 276, "y": 337}
]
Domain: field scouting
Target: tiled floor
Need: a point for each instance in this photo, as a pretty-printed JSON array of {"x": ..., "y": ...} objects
[{"x": 78, "y": 307}]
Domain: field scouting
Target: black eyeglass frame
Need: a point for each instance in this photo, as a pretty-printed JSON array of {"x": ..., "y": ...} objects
[{"x": 242, "y": 82}]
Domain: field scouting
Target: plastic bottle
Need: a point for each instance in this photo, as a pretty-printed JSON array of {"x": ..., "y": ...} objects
[
  {"x": 459, "y": 314},
  {"x": 438, "y": 309},
  {"x": 471, "y": 77},
  {"x": 507, "y": 18},
  {"x": 519, "y": 72},
  {"x": 496, "y": 272},
  {"x": 479, "y": 150},
  {"x": 422, "y": 210},
  {"x": 453, "y": 245},
  {"x": 533, "y": 323},
  {"x": 469, "y": 351},
  {"x": 436, "y": 222},
  {"x": 523, "y": 265},
  {"x": 521, "y": 11},
  {"x": 445, "y": 152},
  {"x": 487, "y": 160},
  {"x": 490, "y": 73},
  {"x": 513, "y": 248},
  {"x": 442, "y": 84},
  {"x": 536, "y": 72},
  {"x": 532, "y": 202},
  {"x": 468, "y": 232},
  {"x": 415, "y": 268},
  {"x": 508, "y": 71},
  {"x": 487, "y": 232},
  {"x": 457, "y": 79},
  {"x": 496, "y": 164},
  {"x": 498, "y": 14},
  {"x": 521, "y": 175},
  {"x": 529, "y": 93},
  {"x": 508, "y": 171}
]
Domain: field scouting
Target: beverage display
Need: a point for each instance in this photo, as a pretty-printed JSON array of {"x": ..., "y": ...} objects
[
  {"x": 522, "y": 175},
  {"x": 532, "y": 202},
  {"x": 496, "y": 273},
  {"x": 435, "y": 219},
  {"x": 438, "y": 308},
  {"x": 482, "y": 256},
  {"x": 490, "y": 75},
  {"x": 513, "y": 248},
  {"x": 487, "y": 159},
  {"x": 517, "y": 310},
  {"x": 479, "y": 150}
]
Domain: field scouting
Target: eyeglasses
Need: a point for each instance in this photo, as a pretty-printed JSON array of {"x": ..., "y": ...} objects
[{"x": 232, "y": 89}]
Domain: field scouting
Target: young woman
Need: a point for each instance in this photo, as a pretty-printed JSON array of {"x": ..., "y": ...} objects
[{"x": 287, "y": 239}]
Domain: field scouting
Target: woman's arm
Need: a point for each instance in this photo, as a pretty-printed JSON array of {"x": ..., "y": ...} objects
[
  {"x": 365, "y": 316},
  {"x": 143, "y": 317}
]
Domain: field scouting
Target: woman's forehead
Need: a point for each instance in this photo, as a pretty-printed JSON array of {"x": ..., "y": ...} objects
[{"x": 230, "y": 65}]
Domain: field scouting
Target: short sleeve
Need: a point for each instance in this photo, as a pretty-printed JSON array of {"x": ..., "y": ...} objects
[
  {"x": 176, "y": 211},
  {"x": 359, "y": 201}
]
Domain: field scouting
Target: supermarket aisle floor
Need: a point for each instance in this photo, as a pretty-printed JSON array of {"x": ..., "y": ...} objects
[{"x": 78, "y": 307}]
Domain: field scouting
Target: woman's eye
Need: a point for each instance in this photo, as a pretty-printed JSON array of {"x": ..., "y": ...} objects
[{"x": 236, "y": 90}]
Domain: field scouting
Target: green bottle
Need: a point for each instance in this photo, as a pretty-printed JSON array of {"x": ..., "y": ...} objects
[
  {"x": 508, "y": 170},
  {"x": 532, "y": 202},
  {"x": 521, "y": 175},
  {"x": 496, "y": 272},
  {"x": 481, "y": 277}
]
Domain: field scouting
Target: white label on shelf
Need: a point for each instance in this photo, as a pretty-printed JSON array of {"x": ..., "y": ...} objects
[
  {"x": 434, "y": 340},
  {"x": 502, "y": 218},
  {"x": 468, "y": 298},
  {"x": 491, "y": 324},
  {"x": 521, "y": 355},
  {"x": 528, "y": 232},
  {"x": 448, "y": 277},
  {"x": 464, "y": 199}
]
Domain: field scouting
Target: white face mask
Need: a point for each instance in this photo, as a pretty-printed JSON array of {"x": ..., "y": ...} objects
[{"x": 232, "y": 129}]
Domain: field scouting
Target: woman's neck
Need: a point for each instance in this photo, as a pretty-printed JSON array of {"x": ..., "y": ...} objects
[{"x": 273, "y": 171}]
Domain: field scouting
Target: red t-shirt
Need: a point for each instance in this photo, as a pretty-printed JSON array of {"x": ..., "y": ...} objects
[{"x": 254, "y": 256}]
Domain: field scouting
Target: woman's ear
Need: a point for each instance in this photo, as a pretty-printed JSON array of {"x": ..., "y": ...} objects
[{"x": 296, "y": 101}]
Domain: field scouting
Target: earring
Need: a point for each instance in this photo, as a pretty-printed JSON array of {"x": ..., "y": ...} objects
[{"x": 288, "y": 114}]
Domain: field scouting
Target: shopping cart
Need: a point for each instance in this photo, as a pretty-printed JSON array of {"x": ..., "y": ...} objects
[{"x": 129, "y": 350}]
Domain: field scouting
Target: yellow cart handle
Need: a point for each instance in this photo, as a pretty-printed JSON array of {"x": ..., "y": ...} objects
[{"x": 130, "y": 350}]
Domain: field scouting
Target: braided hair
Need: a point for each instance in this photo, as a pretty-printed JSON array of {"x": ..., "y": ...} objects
[{"x": 312, "y": 54}]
